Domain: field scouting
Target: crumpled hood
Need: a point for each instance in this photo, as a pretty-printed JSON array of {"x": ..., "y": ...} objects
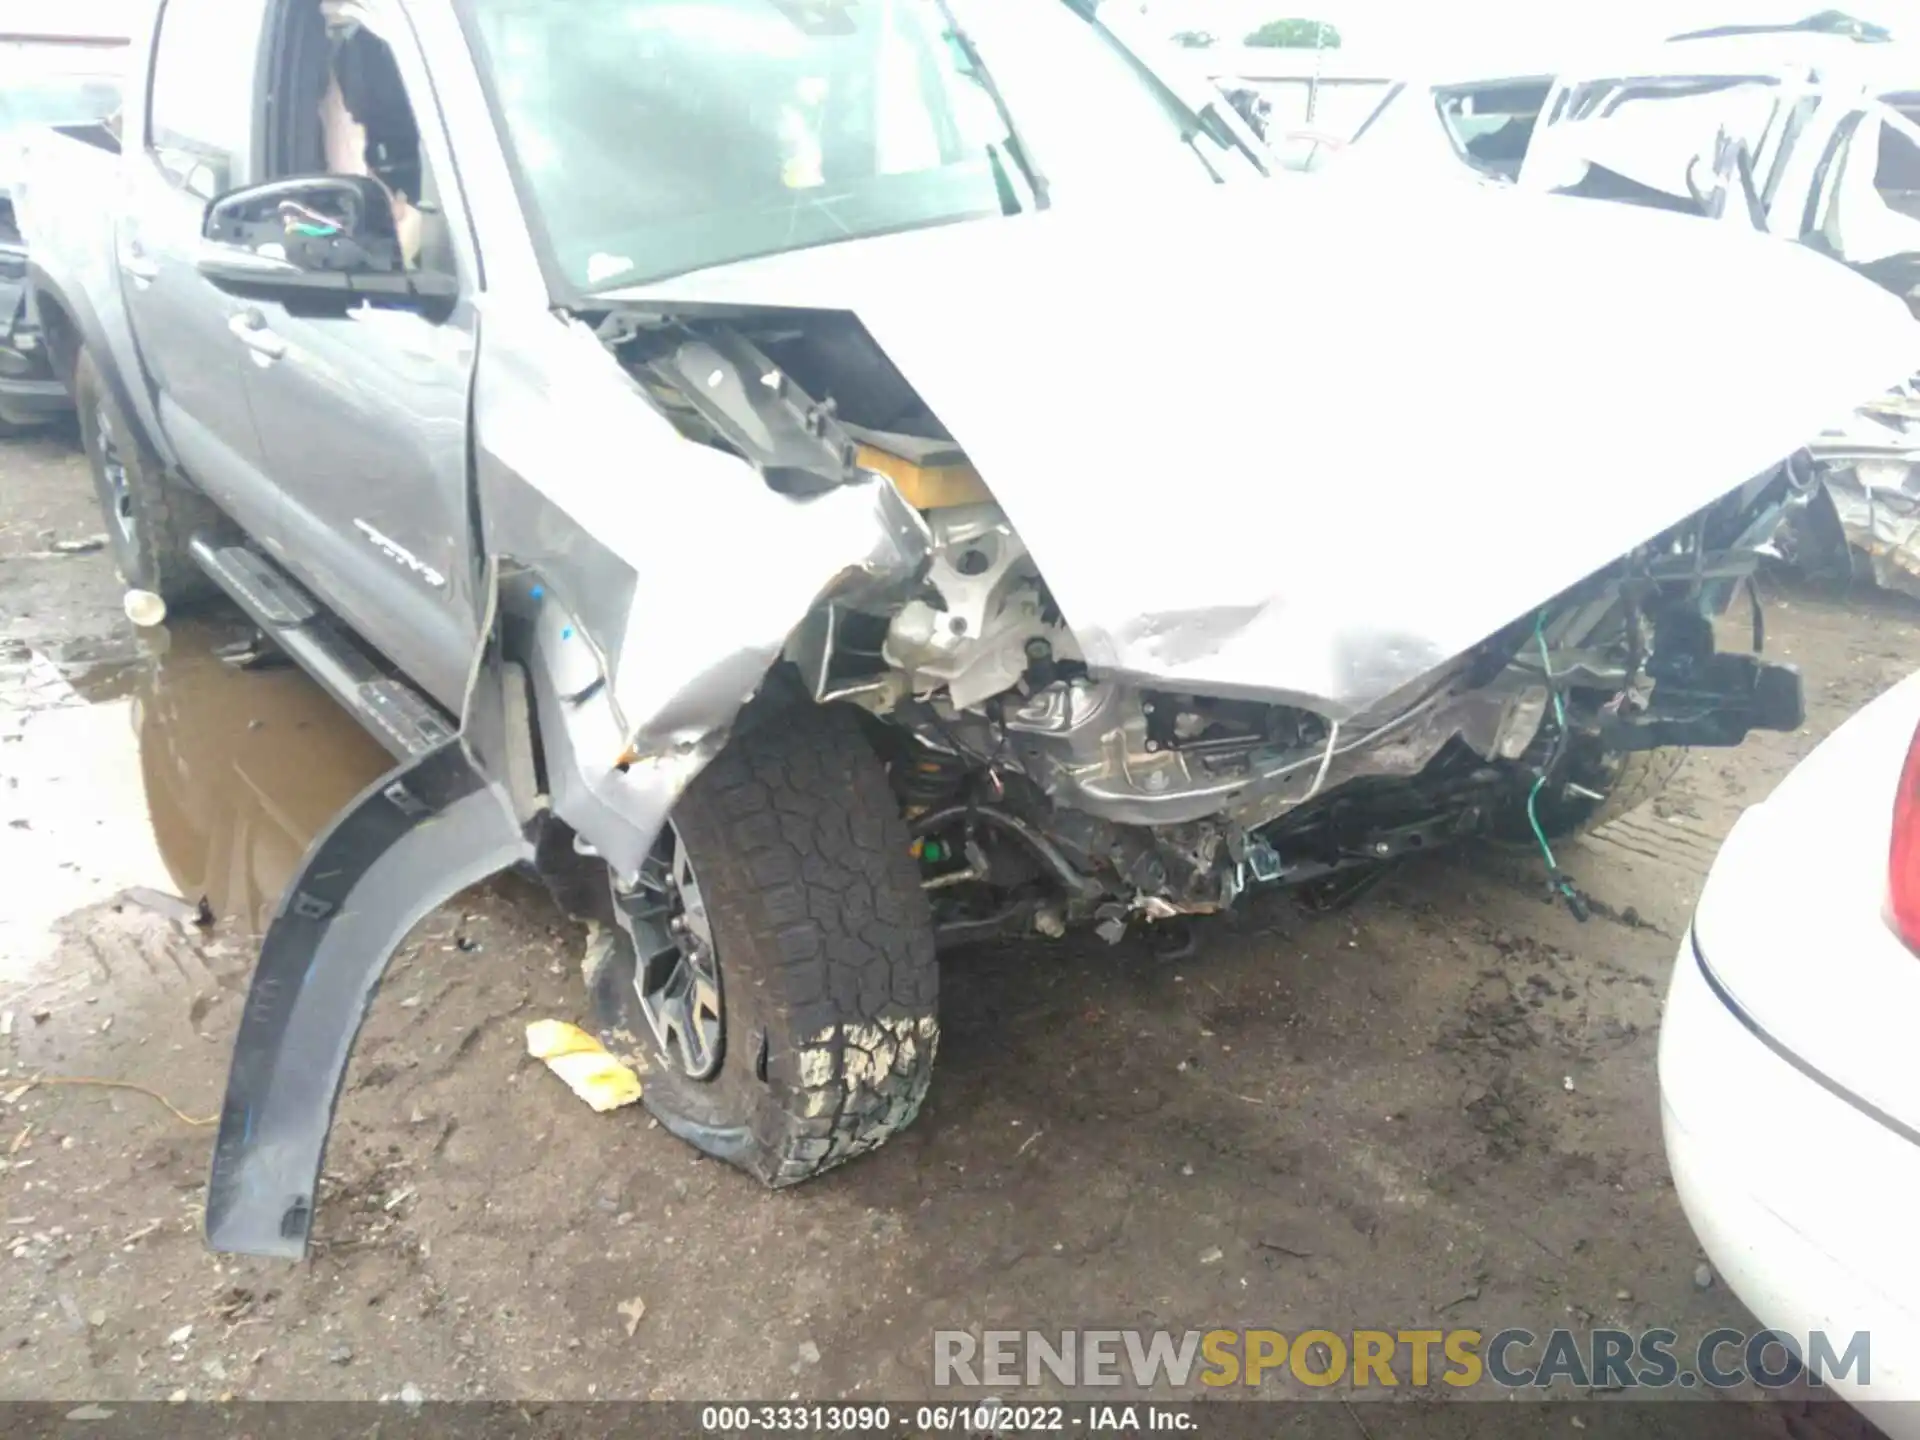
[{"x": 1311, "y": 441}]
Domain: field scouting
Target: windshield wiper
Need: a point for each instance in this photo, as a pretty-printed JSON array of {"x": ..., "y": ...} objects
[
  {"x": 1016, "y": 145},
  {"x": 1198, "y": 113},
  {"x": 1233, "y": 134}
]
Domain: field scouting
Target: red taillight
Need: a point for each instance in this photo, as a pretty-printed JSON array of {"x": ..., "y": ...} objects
[{"x": 1903, "y": 854}]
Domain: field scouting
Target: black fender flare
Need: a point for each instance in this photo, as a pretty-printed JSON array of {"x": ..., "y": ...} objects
[{"x": 409, "y": 842}]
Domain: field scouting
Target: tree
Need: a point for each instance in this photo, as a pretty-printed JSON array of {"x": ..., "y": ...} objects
[
  {"x": 1195, "y": 39},
  {"x": 1296, "y": 34}
]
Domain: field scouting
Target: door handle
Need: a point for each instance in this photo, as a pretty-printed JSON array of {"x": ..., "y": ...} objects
[
  {"x": 138, "y": 266},
  {"x": 249, "y": 327}
]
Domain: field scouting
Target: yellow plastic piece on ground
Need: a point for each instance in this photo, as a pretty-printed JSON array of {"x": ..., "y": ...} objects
[{"x": 583, "y": 1062}]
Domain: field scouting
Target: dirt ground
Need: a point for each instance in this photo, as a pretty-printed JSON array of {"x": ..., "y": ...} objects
[{"x": 1436, "y": 1107}]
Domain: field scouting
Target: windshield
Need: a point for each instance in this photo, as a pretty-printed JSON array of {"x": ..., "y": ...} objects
[
  {"x": 46, "y": 83},
  {"x": 655, "y": 137}
]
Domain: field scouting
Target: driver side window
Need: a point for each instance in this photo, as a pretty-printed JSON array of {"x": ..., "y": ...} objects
[{"x": 346, "y": 112}]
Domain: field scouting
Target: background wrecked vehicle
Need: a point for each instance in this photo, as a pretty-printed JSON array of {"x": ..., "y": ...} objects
[
  {"x": 1806, "y": 131},
  {"x": 57, "y": 67}
]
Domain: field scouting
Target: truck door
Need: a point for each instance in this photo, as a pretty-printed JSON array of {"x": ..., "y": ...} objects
[
  {"x": 364, "y": 415},
  {"x": 197, "y": 142}
]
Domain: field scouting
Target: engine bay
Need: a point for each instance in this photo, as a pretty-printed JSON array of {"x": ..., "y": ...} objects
[{"x": 1044, "y": 791}]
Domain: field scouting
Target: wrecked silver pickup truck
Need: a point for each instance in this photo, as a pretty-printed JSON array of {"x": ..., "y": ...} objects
[{"x": 852, "y": 520}]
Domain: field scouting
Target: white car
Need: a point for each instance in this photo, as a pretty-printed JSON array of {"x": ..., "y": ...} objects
[{"x": 1789, "y": 1094}]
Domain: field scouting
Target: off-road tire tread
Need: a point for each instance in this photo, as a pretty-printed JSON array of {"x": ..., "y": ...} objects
[
  {"x": 167, "y": 512},
  {"x": 817, "y": 863},
  {"x": 1644, "y": 776}
]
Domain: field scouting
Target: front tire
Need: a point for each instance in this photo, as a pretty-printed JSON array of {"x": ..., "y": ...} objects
[
  {"x": 821, "y": 970},
  {"x": 1624, "y": 781},
  {"x": 150, "y": 518}
]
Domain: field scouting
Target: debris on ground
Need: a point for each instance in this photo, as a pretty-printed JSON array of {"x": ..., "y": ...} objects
[
  {"x": 583, "y": 1062},
  {"x": 97, "y": 1083},
  {"x": 633, "y": 1312},
  {"x": 234, "y": 1302},
  {"x": 1703, "y": 1277},
  {"x": 1469, "y": 1295},
  {"x": 80, "y": 547},
  {"x": 144, "y": 608},
  {"x": 172, "y": 907}
]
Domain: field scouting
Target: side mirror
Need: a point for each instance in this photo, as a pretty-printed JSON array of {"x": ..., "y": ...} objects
[{"x": 315, "y": 242}]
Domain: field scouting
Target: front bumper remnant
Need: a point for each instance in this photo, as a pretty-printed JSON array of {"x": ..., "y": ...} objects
[
  {"x": 411, "y": 841},
  {"x": 1704, "y": 697}
]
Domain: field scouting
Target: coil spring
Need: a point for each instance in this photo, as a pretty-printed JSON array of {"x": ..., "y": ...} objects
[{"x": 925, "y": 778}]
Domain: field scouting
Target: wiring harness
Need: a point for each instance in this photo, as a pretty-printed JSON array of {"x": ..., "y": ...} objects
[{"x": 1557, "y": 879}]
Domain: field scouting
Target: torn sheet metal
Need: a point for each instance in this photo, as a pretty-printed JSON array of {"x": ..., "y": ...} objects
[
  {"x": 1871, "y": 471},
  {"x": 1522, "y": 389},
  {"x": 657, "y": 580},
  {"x": 1879, "y": 508}
]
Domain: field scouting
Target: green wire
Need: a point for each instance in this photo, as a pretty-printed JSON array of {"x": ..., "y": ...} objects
[{"x": 1560, "y": 716}]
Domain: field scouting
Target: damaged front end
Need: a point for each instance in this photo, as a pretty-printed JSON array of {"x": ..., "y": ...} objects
[
  {"x": 1122, "y": 658},
  {"x": 1046, "y": 789},
  {"x": 1066, "y": 795},
  {"x": 585, "y": 720}
]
